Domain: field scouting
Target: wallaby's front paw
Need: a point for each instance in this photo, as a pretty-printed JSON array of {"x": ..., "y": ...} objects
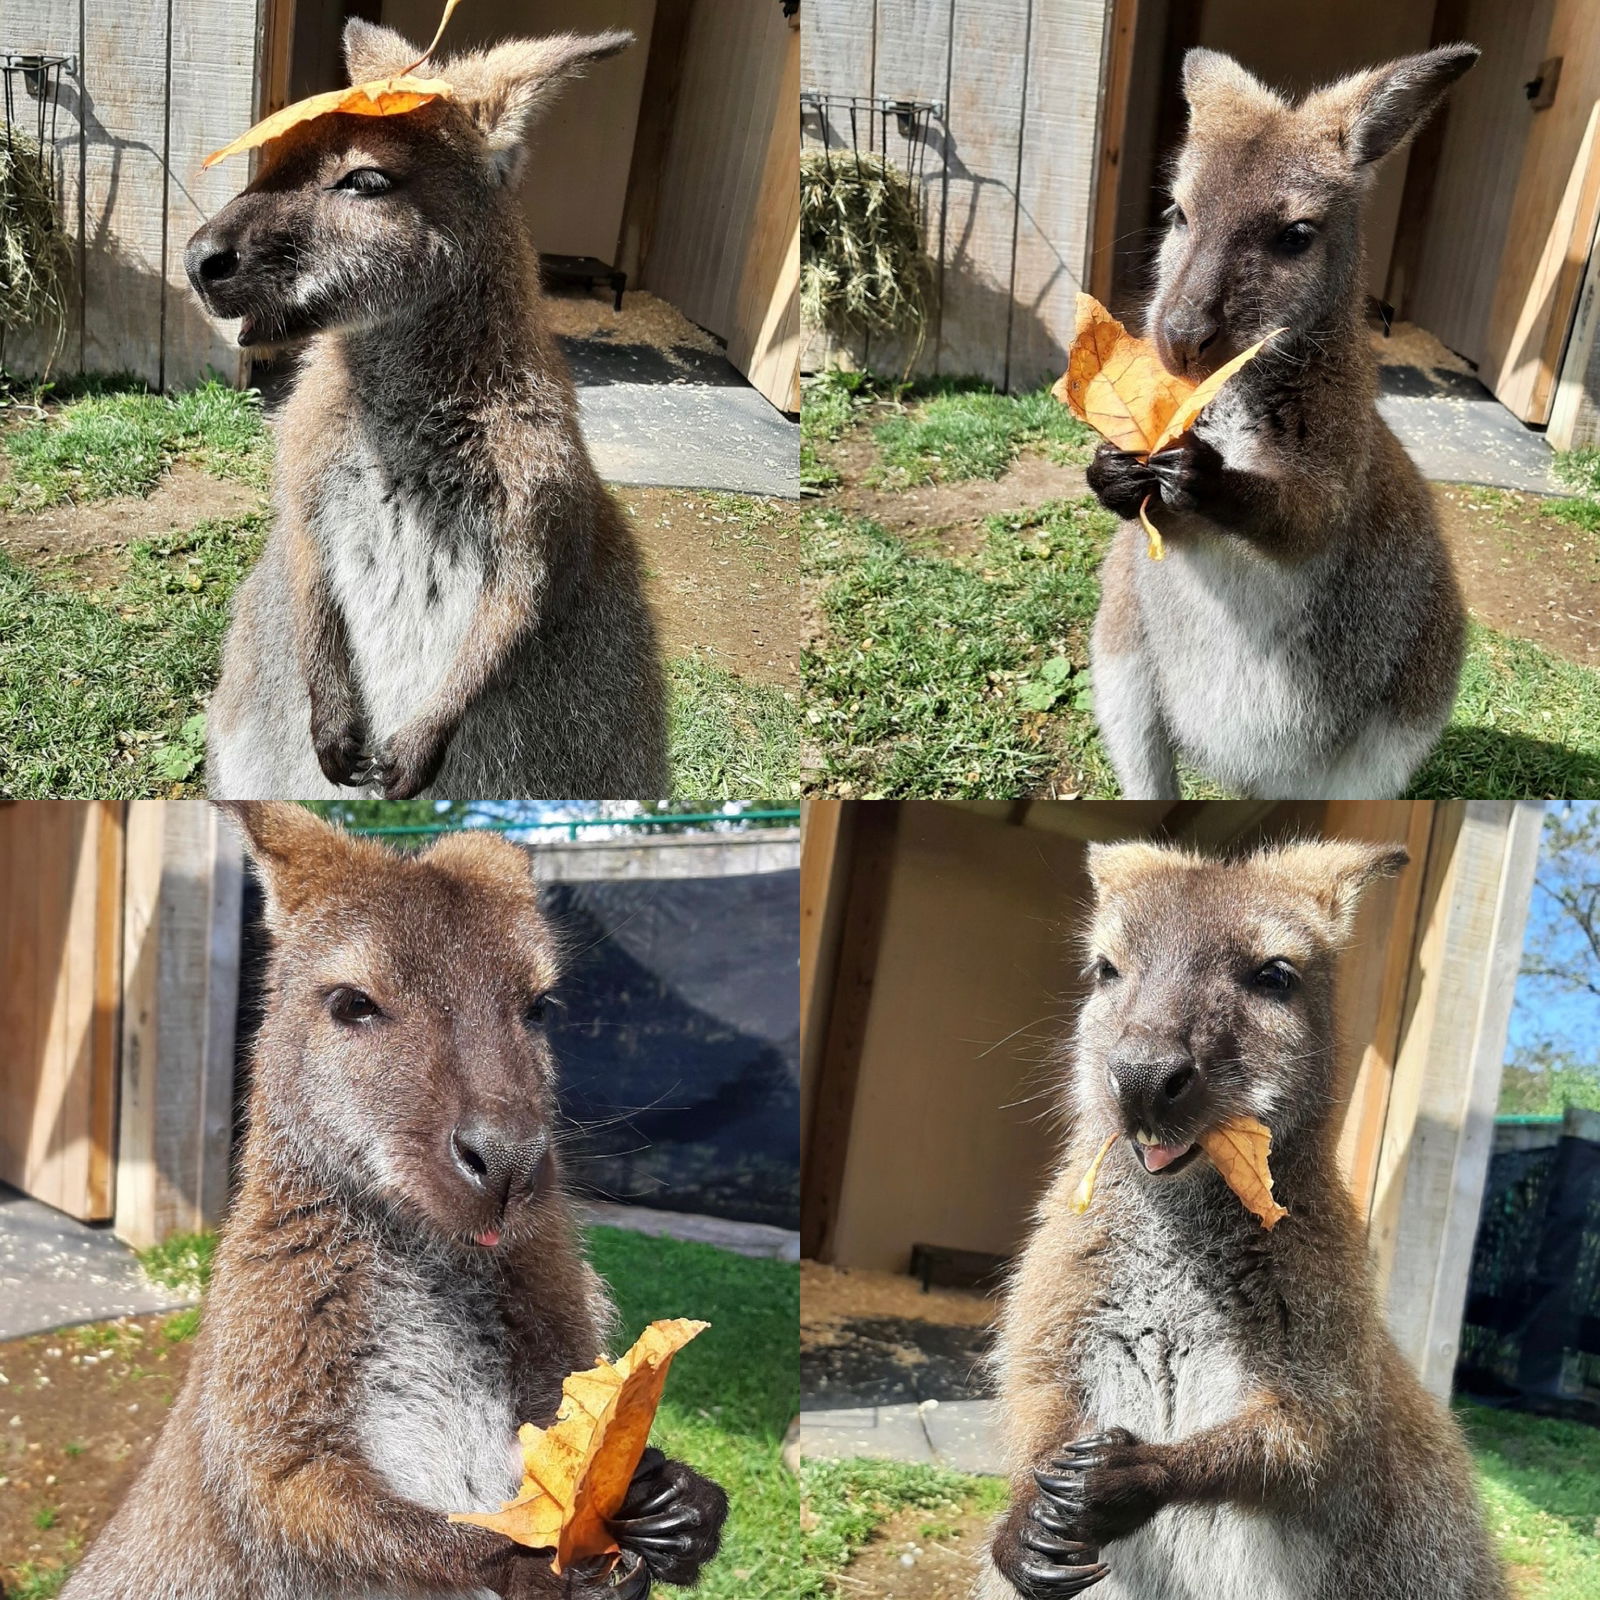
[
  {"x": 1121, "y": 481},
  {"x": 341, "y": 750},
  {"x": 409, "y": 762},
  {"x": 629, "y": 1579},
  {"x": 1187, "y": 473},
  {"x": 1106, "y": 1486},
  {"x": 1038, "y": 1553},
  {"x": 672, "y": 1518}
]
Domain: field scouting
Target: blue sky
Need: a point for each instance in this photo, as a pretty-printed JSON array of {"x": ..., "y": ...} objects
[{"x": 1540, "y": 1011}]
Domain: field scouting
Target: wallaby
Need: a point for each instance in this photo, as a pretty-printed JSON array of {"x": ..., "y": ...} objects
[
  {"x": 1304, "y": 635},
  {"x": 399, "y": 1283},
  {"x": 449, "y": 600},
  {"x": 1197, "y": 1408}
]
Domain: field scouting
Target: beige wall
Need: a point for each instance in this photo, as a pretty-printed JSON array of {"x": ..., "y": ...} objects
[
  {"x": 1300, "y": 46},
  {"x": 582, "y": 150},
  {"x": 930, "y": 1159}
]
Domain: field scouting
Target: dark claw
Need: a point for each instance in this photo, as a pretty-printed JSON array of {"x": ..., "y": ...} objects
[
  {"x": 1060, "y": 1549},
  {"x": 1057, "y": 1583}
]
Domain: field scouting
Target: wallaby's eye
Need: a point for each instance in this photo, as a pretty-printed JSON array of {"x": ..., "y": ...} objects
[
  {"x": 1276, "y": 977},
  {"x": 1175, "y": 216},
  {"x": 1102, "y": 971},
  {"x": 1295, "y": 239},
  {"x": 366, "y": 181},
  {"x": 536, "y": 1011},
  {"x": 351, "y": 1007}
]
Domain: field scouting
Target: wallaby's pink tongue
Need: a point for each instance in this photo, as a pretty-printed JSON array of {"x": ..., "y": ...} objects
[{"x": 1157, "y": 1156}]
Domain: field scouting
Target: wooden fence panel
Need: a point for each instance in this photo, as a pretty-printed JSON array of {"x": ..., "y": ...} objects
[
  {"x": 1009, "y": 170},
  {"x": 158, "y": 84},
  {"x": 181, "y": 937},
  {"x": 60, "y": 948}
]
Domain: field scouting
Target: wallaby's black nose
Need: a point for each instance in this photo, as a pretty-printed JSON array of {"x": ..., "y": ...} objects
[
  {"x": 1188, "y": 334},
  {"x": 495, "y": 1160},
  {"x": 208, "y": 262},
  {"x": 1156, "y": 1087}
]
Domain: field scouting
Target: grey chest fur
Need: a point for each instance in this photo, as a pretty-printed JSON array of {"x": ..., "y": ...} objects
[
  {"x": 1165, "y": 1359},
  {"x": 436, "y": 1408},
  {"x": 406, "y": 572}
]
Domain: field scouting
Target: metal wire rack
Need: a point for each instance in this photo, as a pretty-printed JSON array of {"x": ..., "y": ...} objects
[
  {"x": 824, "y": 119},
  {"x": 38, "y": 77}
]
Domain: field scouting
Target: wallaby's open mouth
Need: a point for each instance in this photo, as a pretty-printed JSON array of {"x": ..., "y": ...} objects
[{"x": 1156, "y": 1157}]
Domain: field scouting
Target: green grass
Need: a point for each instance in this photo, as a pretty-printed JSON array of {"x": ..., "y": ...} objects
[
  {"x": 847, "y": 1501},
  {"x": 103, "y": 444},
  {"x": 1579, "y": 470},
  {"x": 182, "y": 1262},
  {"x": 968, "y": 675},
  {"x": 101, "y": 694},
  {"x": 46, "y": 1517},
  {"x": 31, "y": 1581},
  {"x": 731, "y": 1395},
  {"x": 962, "y": 431},
  {"x": 1540, "y": 1479},
  {"x": 1526, "y": 725},
  {"x": 731, "y": 738},
  {"x": 828, "y": 410},
  {"x": 957, "y": 676}
]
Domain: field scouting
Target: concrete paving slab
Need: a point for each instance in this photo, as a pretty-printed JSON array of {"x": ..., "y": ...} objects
[
  {"x": 691, "y": 436},
  {"x": 55, "y": 1272},
  {"x": 964, "y": 1435},
  {"x": 885, "y": 1433},
  {"x": 744, "y": 1238},
  {"x": 1471, "y": 438}
]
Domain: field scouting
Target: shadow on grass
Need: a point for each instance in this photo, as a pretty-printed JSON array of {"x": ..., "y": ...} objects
[{"x": 1476, "y": 763}]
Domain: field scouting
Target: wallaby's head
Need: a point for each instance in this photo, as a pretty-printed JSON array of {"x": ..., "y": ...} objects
[
  {"x": 352, "y": 220},
  {"x": 1211, "y": 990},
  {"x": 403, "y": 1052},
  {"x": 1264, "y": 230}
]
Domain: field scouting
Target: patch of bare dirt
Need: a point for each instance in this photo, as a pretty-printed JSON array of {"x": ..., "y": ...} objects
[
  {"x": 832, "y": 1295},
  {"x": 723, "y": 572},
  {"x": 88, "y": 543},
  {"x": 918, "y": 1555},
  {"x": 80, "y": 1409},
  {"x": 1524, "y": 571}
]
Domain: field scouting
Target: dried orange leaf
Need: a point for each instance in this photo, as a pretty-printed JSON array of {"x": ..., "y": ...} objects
[
  {"x": 1204, "y": 392},
  {"x": 1154, "y": 546},
  {"x": 1084, "y": 1193},
  {"x": 379, "y": 97},
  {"x": 1117, "y": 384},
  {"x": 575, "y": 1473},
  {"x": 1239, "y": 1150}
]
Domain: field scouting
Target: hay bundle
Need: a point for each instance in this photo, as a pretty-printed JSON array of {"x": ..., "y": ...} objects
[
  {"x": 34, "y": 258},
  {"x": 862, "y": 268}
]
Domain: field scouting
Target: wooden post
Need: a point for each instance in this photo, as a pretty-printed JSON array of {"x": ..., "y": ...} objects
[
  {"x": 1440, "y": 1124},
  {"x": 181, "y": 916}
]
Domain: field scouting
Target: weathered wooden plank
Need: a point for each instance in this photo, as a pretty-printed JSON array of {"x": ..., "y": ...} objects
[
  {"x": 213, "y": 98},
  {"x": 125, "y": 78},
  {"x": 1575, "y": 411},
  {"x": 1437, "y": 1144},
  {"x": 180, "y": 992},
  {"x": 836, "y": 50},
  {"x": 911, "y": 61},
  {"x": 53, "y": 27},
  {"x": 1060, "y": 112},
  {"x": 990, "y": 46},
  {"x": 1557, "y": 195},
  {"x": 764, "y": 336}
]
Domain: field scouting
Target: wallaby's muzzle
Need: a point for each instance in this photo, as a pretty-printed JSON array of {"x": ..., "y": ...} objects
[
  {"x": 1163, "y": 1095},
  {"x": 498, "y": 1162}
]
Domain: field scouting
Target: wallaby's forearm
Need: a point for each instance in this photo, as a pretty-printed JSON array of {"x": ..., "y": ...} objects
[
  {"x": 324, "y": 651},
  {"x": 333, "y": 1520}
]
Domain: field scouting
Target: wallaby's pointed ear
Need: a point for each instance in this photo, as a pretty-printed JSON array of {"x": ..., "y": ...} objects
[
  {"x": 504, "y": 89},
  {"x": 373, "y": 52},
  {"x": 297, "y": 854},
  {"x": 1115, "y": 867},
  {"x": 1376, "y": 111},
  {"x": 1212, "y": 81},
  {"x": 1335, "y": 872}
]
